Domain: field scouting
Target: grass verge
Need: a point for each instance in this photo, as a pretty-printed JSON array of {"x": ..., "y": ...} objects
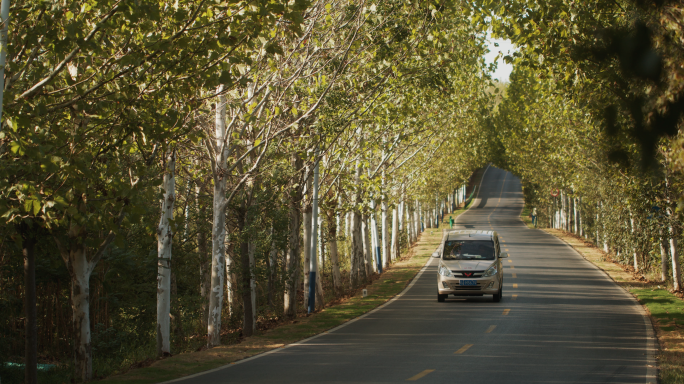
[
  {"x": 525, "y": 216},
  {"x": 383, "y": 288},
  {"x": 665, "y": 309}
]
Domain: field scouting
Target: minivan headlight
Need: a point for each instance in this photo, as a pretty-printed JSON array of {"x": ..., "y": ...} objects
[
  {"x": 444, "y": 271},
  {"x": 490, "y": 272}
]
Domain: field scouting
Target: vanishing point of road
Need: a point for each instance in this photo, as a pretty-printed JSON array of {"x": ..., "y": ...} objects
[{"x": 561, "y": 320}]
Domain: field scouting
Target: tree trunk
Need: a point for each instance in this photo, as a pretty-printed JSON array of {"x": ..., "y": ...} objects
[
  {"x": 31, "y": 338},
  {"x": 321, "y": 245},
  {"x": 579, "y": 216},
  {"x": 358, "y": 269},
  {"x": 80, "y": 269},
  {"x": 334, "y": 257},
  {"x": 306, "y": 220},
  {"x": 320, "y": 303},
  {"x": 598, "y": 237},
  {"x": 347, "y": 224},
  {"x": 416, "y": 221},
  {"x": 634, "y": 248},
  {"x": 574, "y": 214},
  {"x": 293, "y": 251},
  {"x": 164, "y": 253},
  {"x": 80, "y": 304},
  {"x": 205, "y": 268},
  {"x": 317, "y": 241},
  {"x": 676, "y": 274},
  {"x": 663, "y": 257},
  {"x": 367, "y": 260},
  {"x": 410, "y": 225},
  {"x": 218, "y": 230},
  {"x": 395, "y": 235},
  {"x": 400, "y": 213},
  {"x": 231, "y": 279},
  {"x": 375, "y": 241},
  {"x": 386, "y": 252}
]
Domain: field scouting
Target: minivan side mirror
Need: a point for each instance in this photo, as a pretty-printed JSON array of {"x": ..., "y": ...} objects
[
  {"x": 503, "y": 255},
  {"x": 435, "y": 254}
]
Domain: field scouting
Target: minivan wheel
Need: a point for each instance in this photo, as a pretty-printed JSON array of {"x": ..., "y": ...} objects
[
  {"x": 497, "y": 296},
  {"x": 441, "y": 298}
]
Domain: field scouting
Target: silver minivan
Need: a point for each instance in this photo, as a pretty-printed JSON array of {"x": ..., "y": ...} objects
[{"x": 469, "y": 264}]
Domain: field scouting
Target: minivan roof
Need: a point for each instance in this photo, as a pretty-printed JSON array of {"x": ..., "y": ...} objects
[{"x": 469, "y": 234}]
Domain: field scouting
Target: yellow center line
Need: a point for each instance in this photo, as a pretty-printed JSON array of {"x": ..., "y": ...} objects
[
  {"x": 490, "y": 329},
  {"x": 512, "y": 267},
  {"x": 515, "y": 297},
  {"x": 515, "y": 285},
  {"x": 463, "y": 349},
  {"x": 510, "y": 261},
  {"x": 506, "y": 249},
  {"x": 505, "y": 312},
  {"x": 514, "y": 275},
  {"x": 500, "y": 194},
  {"x": 422, "y": 374}
]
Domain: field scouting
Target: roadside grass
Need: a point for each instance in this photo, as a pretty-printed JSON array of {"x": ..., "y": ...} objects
[
  {"x": 525, "y": 217},
  {"x": 382, "y": 289},
  {"x": 665, "y": 309}
]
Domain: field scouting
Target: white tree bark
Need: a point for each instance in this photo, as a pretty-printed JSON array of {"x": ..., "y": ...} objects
[
  {"x": 230, "y": 282},
  {"x": 409, "y": 225},
  {"x": 367, "y": 248},
  {"x": 321, "y": 245},
  {"x": 636, "y": 260},
  {"x": 663, "y": 257},
  {"x": 676, "y": 273},
  {"x": 347, "y": 224},
  {"x": 306, "y": 220},
  {"x": 80, "y": 269},
  {"x": 605, "y": 236},
  {"x": 375, "y": 241},
  {"x": 164, "y": 248},
  {"x": 583, "y": 231},
  {"x": 574, "y": 214},
  {"x": 402, "y": 208},
  {"x": 561, "y": 212},
  {"x": 395, "y": 235},
  {"x": 218, "y": 230},
  {"x": 386, "y": 253},
  {"x": 80, "y": 305},
  {"x": 416, "y": 221}
]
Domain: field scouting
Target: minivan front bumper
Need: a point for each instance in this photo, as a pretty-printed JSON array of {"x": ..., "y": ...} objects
[{"x": 462, "y": 286}]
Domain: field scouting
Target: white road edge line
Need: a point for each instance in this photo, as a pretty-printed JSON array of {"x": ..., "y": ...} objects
[
  {"x": 423, "y": 269},
  {"x": 390, "y": 301},
  {"x": 651, "y": 343}
]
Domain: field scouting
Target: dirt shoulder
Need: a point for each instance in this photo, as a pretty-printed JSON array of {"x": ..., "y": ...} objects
[
  {"x": 665, "y": 309},
  {"x": 382, "y": 289}
]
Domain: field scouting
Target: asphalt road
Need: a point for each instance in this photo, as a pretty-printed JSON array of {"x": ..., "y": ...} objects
[{"x": 561, "y": 320}]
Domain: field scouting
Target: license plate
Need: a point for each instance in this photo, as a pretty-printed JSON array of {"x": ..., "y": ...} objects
[{"x": 468, "y": 283}]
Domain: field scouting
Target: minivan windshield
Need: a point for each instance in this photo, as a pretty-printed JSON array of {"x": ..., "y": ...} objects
[{"x": 468, "y": 250}]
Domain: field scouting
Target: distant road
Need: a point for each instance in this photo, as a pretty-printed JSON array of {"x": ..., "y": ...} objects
[{"x": 561, "y": 320}]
